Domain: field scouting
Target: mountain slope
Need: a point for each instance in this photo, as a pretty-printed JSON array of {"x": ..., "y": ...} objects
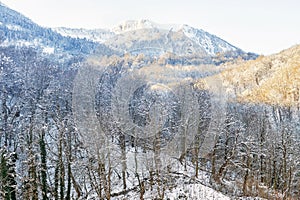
[
  {"x": 272, "y": 79},
  {"x": 16, "y": 29}
]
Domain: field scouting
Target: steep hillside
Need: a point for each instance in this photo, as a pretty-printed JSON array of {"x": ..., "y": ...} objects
[{"x": 271, "y": 79}]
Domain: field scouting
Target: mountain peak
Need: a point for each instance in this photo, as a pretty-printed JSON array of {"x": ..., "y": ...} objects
[{"x": 131, "y": 25}]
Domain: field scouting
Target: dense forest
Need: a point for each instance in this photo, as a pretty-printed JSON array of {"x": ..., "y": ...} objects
[{"x": 113, "y": 127}]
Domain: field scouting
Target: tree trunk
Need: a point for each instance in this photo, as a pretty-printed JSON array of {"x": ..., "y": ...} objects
[
  {"x": 69, "y": 169},
  {"x": 56, "y": 181},
  {"x": 123, "y": 159},
  {"x": 245, "y": 182},
  {"x": 43, "y": 165},
  {"x": 61, "y": 168}
]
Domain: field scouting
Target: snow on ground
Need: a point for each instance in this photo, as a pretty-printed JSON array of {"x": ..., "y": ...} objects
[
  {"x": 251, "y": 198},
  {"x": 183, "y": 191},
  {"x": 187, "y": 192},
  {"x": 179, "y": 178},
  {"x": 195, "y": 191}
]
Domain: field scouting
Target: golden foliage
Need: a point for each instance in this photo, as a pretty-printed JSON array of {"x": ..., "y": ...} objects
[{"x": 271, "y": 79}]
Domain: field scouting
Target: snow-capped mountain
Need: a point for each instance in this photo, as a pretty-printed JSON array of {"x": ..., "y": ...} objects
[
  {"x": 211, "y": 43},
  {"x": 135, "y": 35}
]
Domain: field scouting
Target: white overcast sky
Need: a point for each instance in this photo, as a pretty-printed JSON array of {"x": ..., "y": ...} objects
[{"x": 260, "y": 26}]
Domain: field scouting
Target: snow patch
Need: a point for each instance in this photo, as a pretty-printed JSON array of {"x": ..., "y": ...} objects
[
  {"x": 19, "y": 43},
  {"x": 14, "y": 27},
  {"x": 48, "y": 50}
]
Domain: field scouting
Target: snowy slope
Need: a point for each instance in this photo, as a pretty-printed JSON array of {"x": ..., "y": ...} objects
[
  {"x": 211, "y": 43},
  {"x": 97, "y": 35}
]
